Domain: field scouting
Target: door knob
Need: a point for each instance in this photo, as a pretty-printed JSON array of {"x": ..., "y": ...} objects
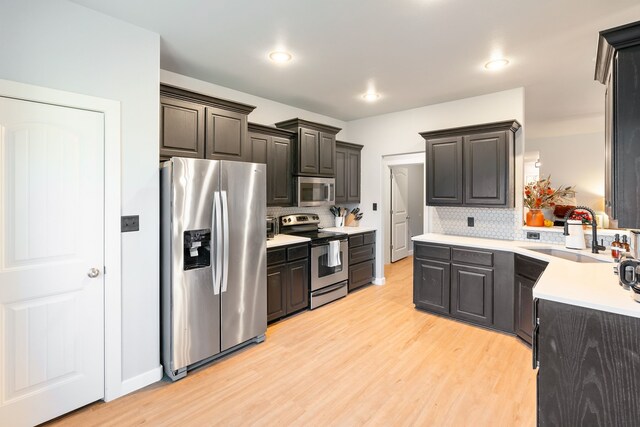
[{"x": 93, "y": 273}]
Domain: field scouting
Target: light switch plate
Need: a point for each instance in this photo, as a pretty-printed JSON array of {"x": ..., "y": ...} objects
[
  {"x": 533, "y": 235},
  {"x": 129, "y": 223}
]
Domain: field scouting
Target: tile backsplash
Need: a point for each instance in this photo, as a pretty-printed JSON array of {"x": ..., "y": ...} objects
[{"x": 503, "y": 224}]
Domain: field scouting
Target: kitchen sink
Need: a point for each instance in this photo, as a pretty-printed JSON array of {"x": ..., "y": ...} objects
[{"x": 571, "y": 256}]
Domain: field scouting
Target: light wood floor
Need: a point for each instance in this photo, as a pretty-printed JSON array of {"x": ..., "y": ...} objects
[{"x": 368, "y": 359}]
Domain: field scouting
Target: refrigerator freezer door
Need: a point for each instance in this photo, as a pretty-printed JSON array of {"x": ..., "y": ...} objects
[
  {"x": 194, "y": 307},
  {"x": 244, "y": 296}
]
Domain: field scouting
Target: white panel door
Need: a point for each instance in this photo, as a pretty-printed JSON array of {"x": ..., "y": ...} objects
[
  {"x": 399, "y": 213},
  {"x": 51, "y": 242}
]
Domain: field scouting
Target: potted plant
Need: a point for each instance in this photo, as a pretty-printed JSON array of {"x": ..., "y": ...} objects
[{"x": 540, "y": 195}]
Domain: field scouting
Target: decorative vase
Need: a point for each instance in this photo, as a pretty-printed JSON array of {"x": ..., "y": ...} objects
[{"x": 535, "y": 218}]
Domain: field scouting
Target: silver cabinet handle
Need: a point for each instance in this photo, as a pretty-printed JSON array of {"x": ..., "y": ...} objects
[{"x": 93, "y": 273}]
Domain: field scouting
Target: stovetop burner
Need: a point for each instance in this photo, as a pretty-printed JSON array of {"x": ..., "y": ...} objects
[{"x": 306, "y": 225}]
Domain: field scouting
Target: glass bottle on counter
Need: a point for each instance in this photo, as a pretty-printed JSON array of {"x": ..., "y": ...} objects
[
  {"x": 616, "y": 246},
  {"x": 625, "y": 244}
]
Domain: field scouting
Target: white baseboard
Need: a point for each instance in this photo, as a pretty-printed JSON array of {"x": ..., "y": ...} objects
[
  {"x": 379, "y": 281},
  {"x": 142, "y": 380}
]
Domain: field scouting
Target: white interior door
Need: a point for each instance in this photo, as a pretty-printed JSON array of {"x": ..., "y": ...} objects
[
  {"x": 51, "y": 260},
  {"x": 399, "y": 213}
]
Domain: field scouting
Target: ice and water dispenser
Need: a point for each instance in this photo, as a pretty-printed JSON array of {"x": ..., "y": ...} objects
[{"x": 197, "y": 249}]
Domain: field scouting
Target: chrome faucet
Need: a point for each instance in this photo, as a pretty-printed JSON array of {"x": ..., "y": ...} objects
[{"x": 595, "y": 247}]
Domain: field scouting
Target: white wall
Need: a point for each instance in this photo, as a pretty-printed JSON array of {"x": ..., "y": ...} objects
[
  {"x": 399, "y": 133},
  {"x": 574, "y": 160},
  {"x": 61, "y": 45},
  {"x": 267, "y": 112}
]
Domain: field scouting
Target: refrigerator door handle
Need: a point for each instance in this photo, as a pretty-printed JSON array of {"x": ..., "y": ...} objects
[
  {"x": 225, "y": 231},
  {"x": 217, "y": 217}
]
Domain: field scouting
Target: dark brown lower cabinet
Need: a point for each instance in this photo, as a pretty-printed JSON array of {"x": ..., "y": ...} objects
[
  {"x": 287, "y": 280},
  {"x": 431, "y": 290},
  {"x": 527, "y": 273},
  {"x": 589, "y": 367},
  {"x": 472, "y": 293},
  {"x": 470, "y": 284},
  {"x": 362, "y": 259}
]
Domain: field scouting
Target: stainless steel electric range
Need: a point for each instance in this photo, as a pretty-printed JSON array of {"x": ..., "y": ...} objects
[{"x": 329, "y": 261}]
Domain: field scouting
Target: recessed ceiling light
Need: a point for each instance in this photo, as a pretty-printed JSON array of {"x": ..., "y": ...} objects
[
  {"x": 371, "y": 96},
  {"x": 496, "y": 64},
  {"x": 280, "y": 56}
]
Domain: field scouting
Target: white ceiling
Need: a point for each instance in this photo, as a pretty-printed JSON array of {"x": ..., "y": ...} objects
[{"x": 415, "y": 52}]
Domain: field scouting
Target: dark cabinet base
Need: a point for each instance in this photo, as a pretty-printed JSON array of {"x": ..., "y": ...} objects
[
  {"x": 589, "y": 371},
  {"x": 287, "y": 280},
  {"x": 362, "y": 259}
]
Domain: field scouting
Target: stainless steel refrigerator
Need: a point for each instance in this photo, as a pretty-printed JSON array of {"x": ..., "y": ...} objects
[{"x": 213, "y": 260}]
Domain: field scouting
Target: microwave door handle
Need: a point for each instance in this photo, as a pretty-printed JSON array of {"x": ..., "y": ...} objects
[
  {"x": 326, "y": 192},
  {"x": 225, "y": 231},
  {"x": 217, "y": 209}
]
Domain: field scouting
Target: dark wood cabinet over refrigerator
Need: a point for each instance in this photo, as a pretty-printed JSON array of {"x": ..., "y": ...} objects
[
  {"x": 274, "y": 147},
  {"x": 472, "y": 165},
  {"x": 348, "y": 170},
  {"x": 201, "y": 126},
  {"x": 618, "y": 67},
  {"x": 315, "y": 151}
]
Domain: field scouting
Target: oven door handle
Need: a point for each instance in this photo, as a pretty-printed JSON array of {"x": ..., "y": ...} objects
[{"x": 329, "y": 289}]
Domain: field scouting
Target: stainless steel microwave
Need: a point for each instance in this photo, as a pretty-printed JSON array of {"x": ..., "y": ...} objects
[{"x": 312, "y": 191}]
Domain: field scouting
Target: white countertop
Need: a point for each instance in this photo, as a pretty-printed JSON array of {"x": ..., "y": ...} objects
[
  {"x": 350, "y": 230},
  {"x": 585, "y": 285},
  {"x": 285, "y": 239}
]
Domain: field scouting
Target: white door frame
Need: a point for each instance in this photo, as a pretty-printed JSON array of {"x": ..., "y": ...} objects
[
  {"x": 112, "y": 201},
  {"x": 385, "y": 173}
]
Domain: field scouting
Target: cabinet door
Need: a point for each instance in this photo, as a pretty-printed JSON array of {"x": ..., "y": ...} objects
[
  {"x": 327, "y": 154},
  {"x": 431, "y": 289},
  {"x": 258, "y": 147},
  {"x": 341, "y": 174},
  {"x": 353, "y": 176},
  {"x": 472, "y": 294},
  {"x": 524, "y": 308},
  {"x": 444, "y": 171},
  {"x": 297, "y": 286},
  {"x": 361, "y": 274},
  {"x": 308, "y": 150},
  {"x": 279, "y": 184},
  {"x": 276, "y": 286},
  {"x": 485, "y": 169},
  {"x": 609, "y": 202},
  {"x": 226, "y": 135},
  {"x": 181, "y": 128}
]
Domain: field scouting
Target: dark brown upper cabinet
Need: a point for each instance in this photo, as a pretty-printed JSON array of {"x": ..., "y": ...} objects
[
  {"x": 196, "y": 125},
  {"x": 618, "y": 67},
  {"x": 315, "y": 151},
  {"x": 471, "y": 165},
  {"x": 348, "y": 171},
  {"x": 274, "y": 147}
]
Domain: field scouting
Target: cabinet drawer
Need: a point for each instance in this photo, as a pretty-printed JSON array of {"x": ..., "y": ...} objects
[
  {"x": 276, "y": 256},
  {"x": 472, "y": 256},
  {"x": 356, "y": 240},
  {"x": 361, "y": 253},
  {"x": 422, "y": 250},
  {"x": 361, "y": 274},
  {"x": 369, "y": 238},
  {"x": 529, "y": 267},
  {"x": 297, "y": 252}
]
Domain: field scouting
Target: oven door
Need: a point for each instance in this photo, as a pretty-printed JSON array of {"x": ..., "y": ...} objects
[
  {"x": 321, "y": 274},
  {"x": 315, "y": 191}
]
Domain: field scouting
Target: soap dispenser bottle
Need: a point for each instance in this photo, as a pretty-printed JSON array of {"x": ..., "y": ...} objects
[
  {"x": 625, "y": 244},
  {"x": 615, "y": 247}
]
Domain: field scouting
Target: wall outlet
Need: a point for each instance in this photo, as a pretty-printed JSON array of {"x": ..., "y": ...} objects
[
  {"x": 129, "y": 223},
  {"x": 375, "y": 206},
  {"x": 533, "y": 235},
  {"x": 470, "y": 221}
]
